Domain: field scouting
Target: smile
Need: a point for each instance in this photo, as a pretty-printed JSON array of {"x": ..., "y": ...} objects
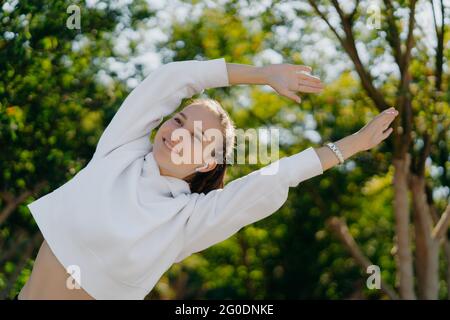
[{"x": 169, "y": 145}]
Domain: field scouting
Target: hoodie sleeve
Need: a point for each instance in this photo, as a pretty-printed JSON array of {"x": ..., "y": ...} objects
[
  {"x": 157, "y": 96},
  {"x": 221, "y": 213}
]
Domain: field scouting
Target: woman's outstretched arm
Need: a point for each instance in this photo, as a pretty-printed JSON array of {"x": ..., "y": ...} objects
[
  {"x": 221, "y": 213},
  {"x": 288, "y": 79},
  {"x": 368, "y": 137}
]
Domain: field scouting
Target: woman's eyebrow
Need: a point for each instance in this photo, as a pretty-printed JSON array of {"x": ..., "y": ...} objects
[
  {"x": 185, "y": 118},
  {"x": 183, "y": 115}
]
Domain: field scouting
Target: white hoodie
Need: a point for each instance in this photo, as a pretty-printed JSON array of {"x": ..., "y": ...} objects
[{"x": 120, "y": 225}]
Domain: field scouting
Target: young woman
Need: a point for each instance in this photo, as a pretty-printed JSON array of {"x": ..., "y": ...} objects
[{"x": 123, "y": 220}]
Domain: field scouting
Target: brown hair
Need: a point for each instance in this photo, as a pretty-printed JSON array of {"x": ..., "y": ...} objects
[{"x": 204, "y": 182}]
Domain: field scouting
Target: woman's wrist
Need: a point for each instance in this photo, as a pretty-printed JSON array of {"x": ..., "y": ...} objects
[
  {"x": 245, "y": 74},
  {"x": 348, "y": 146}
]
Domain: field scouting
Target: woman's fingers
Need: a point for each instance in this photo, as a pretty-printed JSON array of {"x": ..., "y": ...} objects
[
  {"x": 308, "y": 83},
  {"x": 386, "y": 112},
  {"x": 292, "y": 95},
  {"x": 389, "y": 111},
  {"x": 387, "y": 120},
  {"x": 301, "y": 68},
  {"x": 288, "y": 79},
  {"x": 304, "y": 76},
  {"x": 309, "y": 89},
  {"x": 386, "y": 117},
  {"x": 390, "y": 116},
  {"x": 386, "y": 134},
  {"x": 392, "y": 113}
]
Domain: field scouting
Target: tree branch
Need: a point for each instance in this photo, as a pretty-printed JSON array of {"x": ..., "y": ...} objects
[
  {"x": 14, "y": 245},
  {"x": 348, "y": 43},
  {"x": 353, "y": 13},
  {"x": 324, "y": 18},
  {"x": 340, "y": 12},
  {"x": 13, "y": 202},
  {"x": 440, "y": 44},
  {"x": 406, "y": 57},
  {"x": 442, "y": 226},
  {"x": 423, "y": 155},
  {"x": 393, "y": 36},
  {"x": 339, "y": 227}
]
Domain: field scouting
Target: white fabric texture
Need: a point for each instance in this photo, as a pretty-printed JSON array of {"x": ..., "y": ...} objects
[{"x": 123, "y": 224}]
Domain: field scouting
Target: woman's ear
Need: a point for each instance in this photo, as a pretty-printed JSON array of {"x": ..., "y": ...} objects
[{"x": 210, "y": 165}]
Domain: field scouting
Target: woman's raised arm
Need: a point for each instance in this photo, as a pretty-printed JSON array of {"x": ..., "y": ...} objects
[
  {"x": 157, "y": 96},
  {"x": 286, "y": 79}
]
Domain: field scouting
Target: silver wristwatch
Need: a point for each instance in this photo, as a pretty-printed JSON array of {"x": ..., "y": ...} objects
[{"x": 336, "y": 151}]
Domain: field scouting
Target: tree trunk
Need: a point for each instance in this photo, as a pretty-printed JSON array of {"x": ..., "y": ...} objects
[
  {"x": 427, "y": 249},
  {"x": 447, "y": 257},
  {"x": 401, "y": 209},
  {"x": 340, "y": 229}
]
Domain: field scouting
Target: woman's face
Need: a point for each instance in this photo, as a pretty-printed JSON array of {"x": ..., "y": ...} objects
[{"x": 179, "y": 146}]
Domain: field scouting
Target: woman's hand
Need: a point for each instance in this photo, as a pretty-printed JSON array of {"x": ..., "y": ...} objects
[
  {"x": 366, "y": 138},
  {"x": 376, "y": 130},
  {"x": 287, "y": 79}
]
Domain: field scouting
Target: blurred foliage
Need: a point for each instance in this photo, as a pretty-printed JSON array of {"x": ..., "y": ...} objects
[{"x": 54, "y": 107}]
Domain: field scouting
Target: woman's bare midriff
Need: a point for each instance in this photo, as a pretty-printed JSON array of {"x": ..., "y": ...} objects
[{"x": 49, "y": 279}]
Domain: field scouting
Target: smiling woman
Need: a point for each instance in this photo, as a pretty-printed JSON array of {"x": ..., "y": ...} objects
[
  {"x": 106, "y": 220},
  {"x": 203, "y": 170}
]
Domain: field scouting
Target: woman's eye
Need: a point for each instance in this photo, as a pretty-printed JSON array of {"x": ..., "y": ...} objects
[{"x": 177, "y": 120}]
